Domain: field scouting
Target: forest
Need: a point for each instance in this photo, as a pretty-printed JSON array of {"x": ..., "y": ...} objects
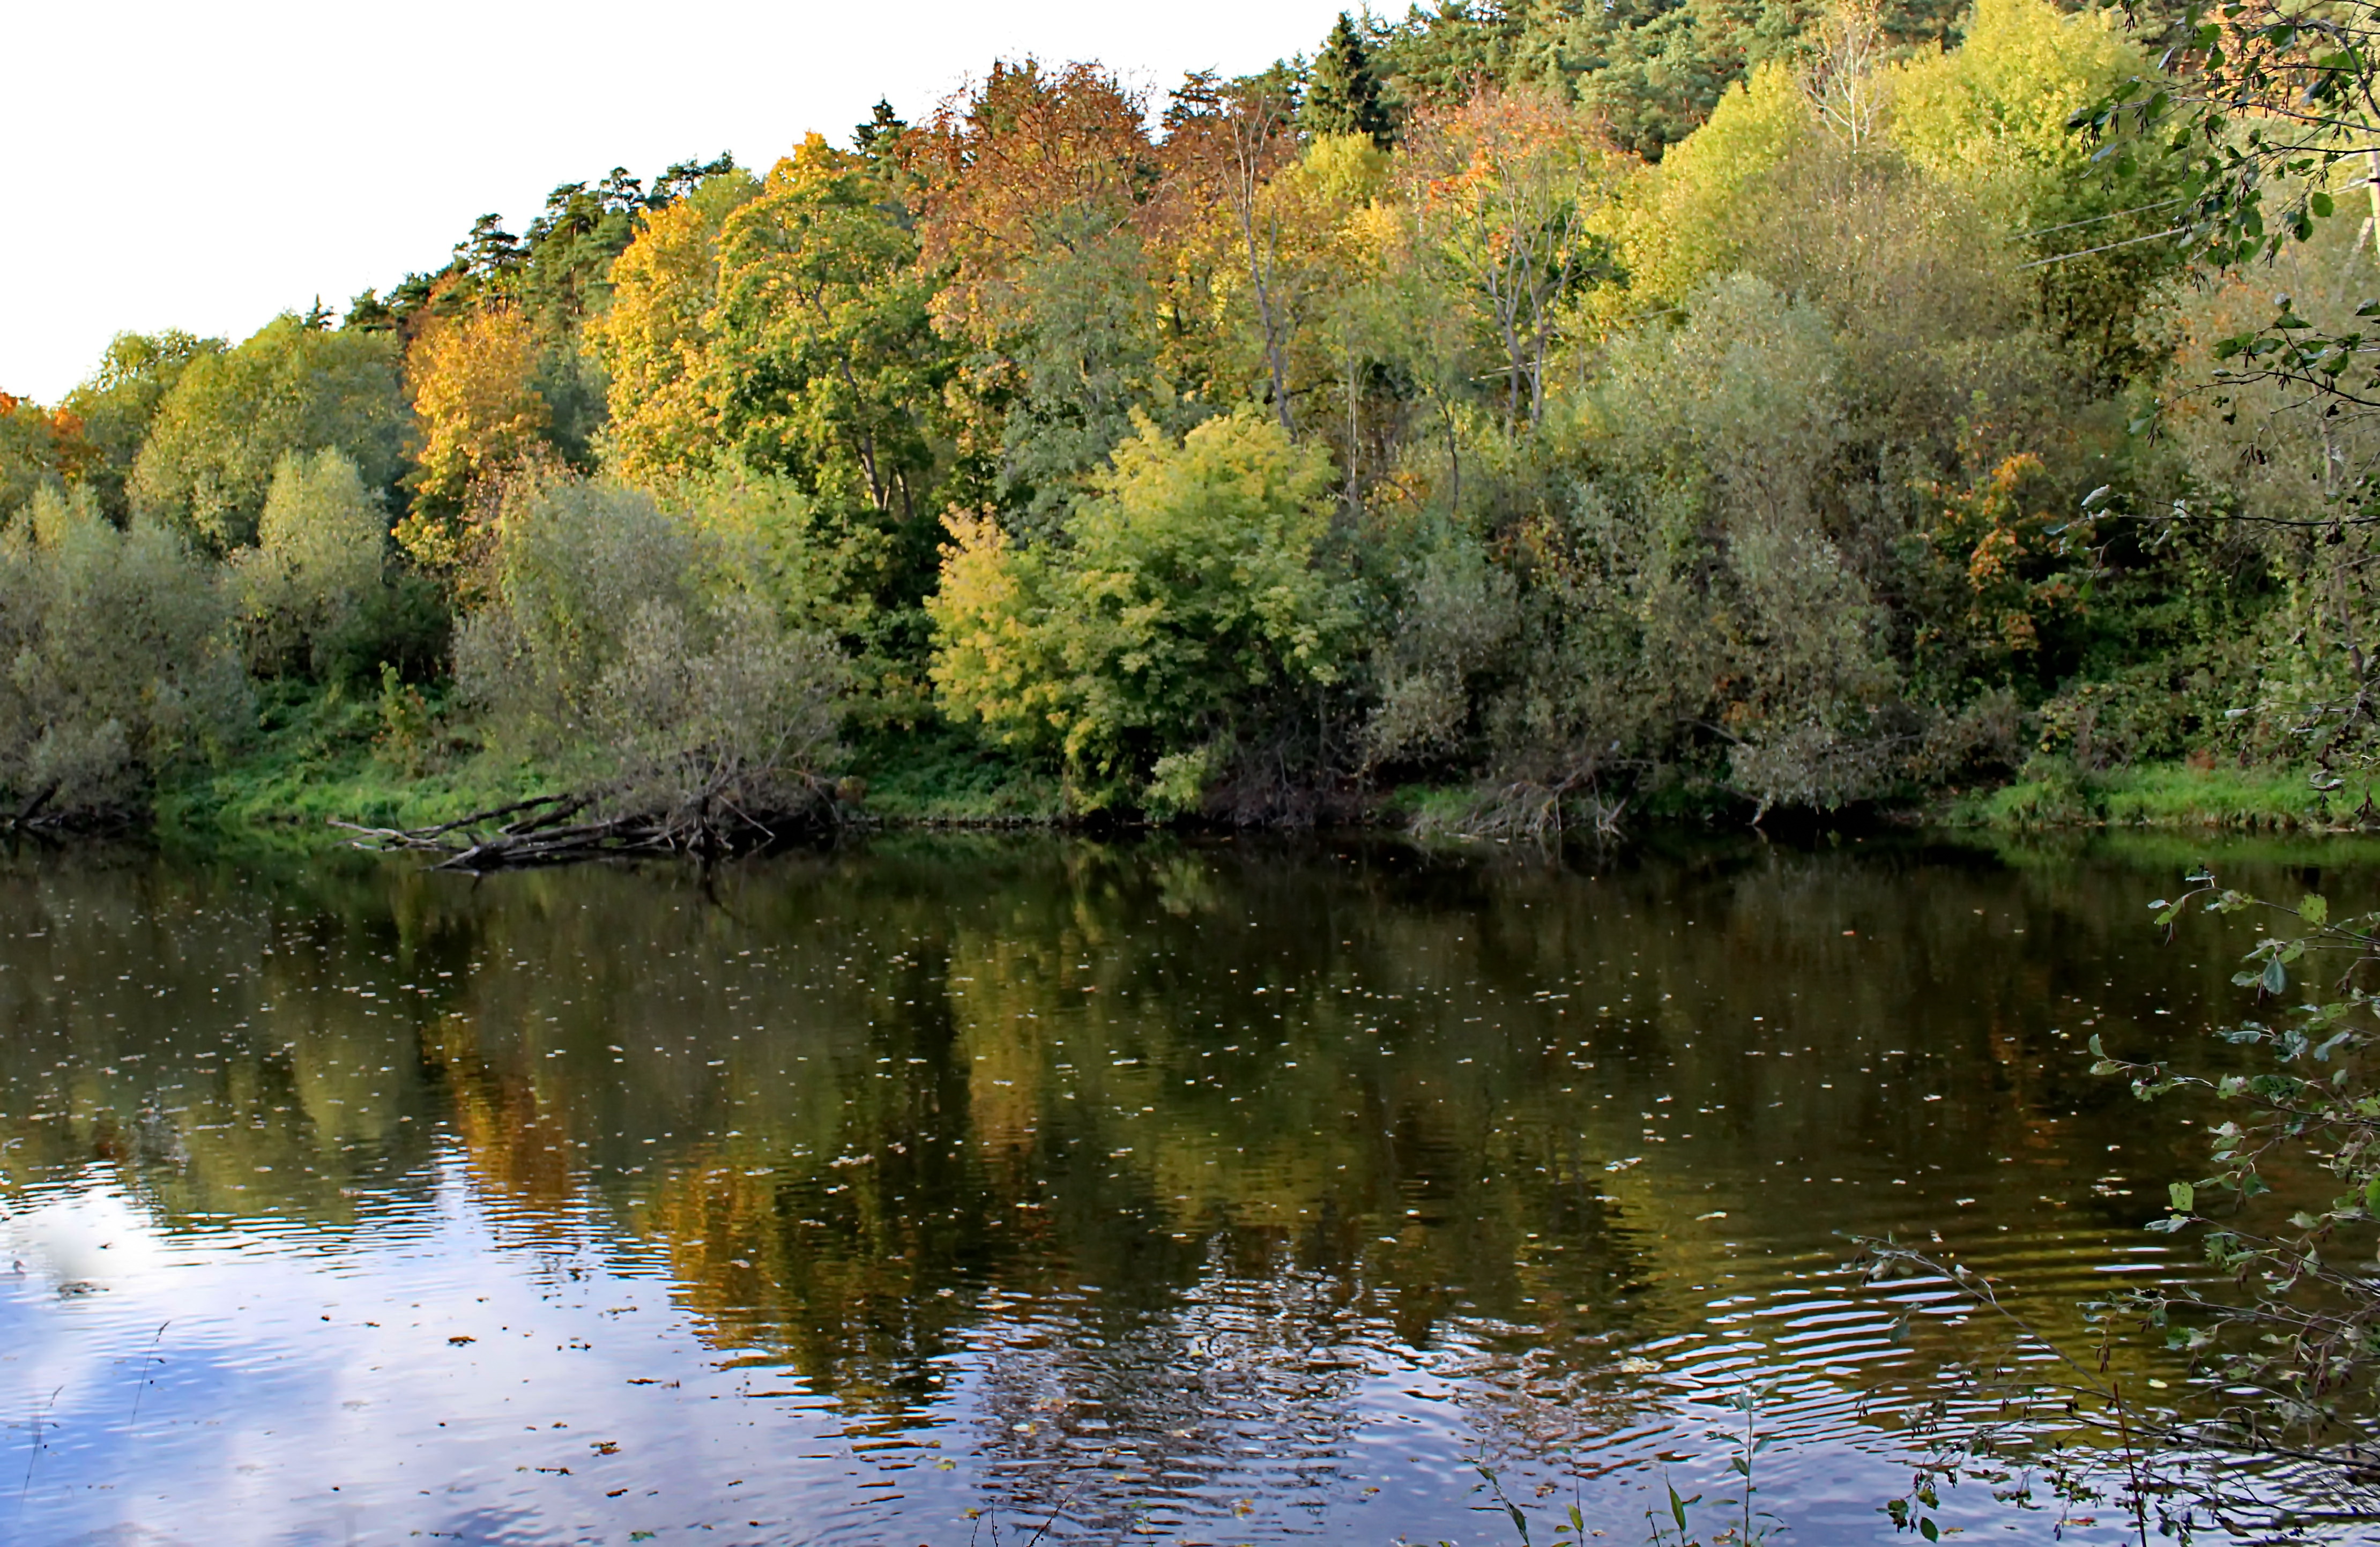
[{"x": 1509, "y": 417}]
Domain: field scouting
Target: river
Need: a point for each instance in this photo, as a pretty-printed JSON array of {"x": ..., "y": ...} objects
[{"x": 950, "y": 1189}]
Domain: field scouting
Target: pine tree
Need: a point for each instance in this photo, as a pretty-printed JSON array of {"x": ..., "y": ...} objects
[{"x": 1342, "y": 94}]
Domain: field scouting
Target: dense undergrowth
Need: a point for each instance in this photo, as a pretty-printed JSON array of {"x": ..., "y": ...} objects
[{"x": 380, "y": 759}]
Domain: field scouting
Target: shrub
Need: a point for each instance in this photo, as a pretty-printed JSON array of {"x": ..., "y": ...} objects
[
  {"x": 118, "y": 659},
  {"x": 718, "y": 705},
  {"x": 606, "y": 634},
  {"x": 1456, "y": 616}
]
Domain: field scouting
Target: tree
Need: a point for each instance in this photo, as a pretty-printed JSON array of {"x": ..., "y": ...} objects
[
  {"x": 1503, "y": 191},
  {"x": 651, "y": 341},
  {"x": 1087, "y": 354},
  {"x": 879, "y": 140},
  {"x": 1436, "y": 58},
  {"x": 1226, "y": 145},
  {"x": 1342, "y": 92},
  {"x": 1190, "y": 595},
  {"x": 229, "y": 417},
  {"x": 1032, "y": 159},
  {"x": 821, "y": 363},
  {"x": 1991, "y": 120},
  {"x": 118, "y": 405},
  {"x": 570, "y": 247},
  {"x": 683, "y": 179},
  {"x": 1029, "y": 191},
  {"x": 474, "y": 392},
  {"x": 2274, "y": 111},
  {"x": 38, "y": 449},
  {"x": 491, "y": 254}
]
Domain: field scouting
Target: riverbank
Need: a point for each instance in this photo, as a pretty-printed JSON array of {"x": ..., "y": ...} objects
[
  {"x": 2056, "y": 794},
  {"x": 384, "y": 762}
]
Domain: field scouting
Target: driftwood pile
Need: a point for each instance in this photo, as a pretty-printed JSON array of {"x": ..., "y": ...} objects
[
  {"x": 38, "y": 817},
  {"x": 543, "y": 832}
]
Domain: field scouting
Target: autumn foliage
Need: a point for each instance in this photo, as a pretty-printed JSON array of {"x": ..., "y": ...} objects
[{"x": 1545, "y": 404}]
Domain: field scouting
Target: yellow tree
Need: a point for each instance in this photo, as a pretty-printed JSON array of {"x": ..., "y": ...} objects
[
  {"x": 1265, "y": 261},
  {"x": 1227, "y": 145},
  {"x": 652, "y": 340},
  {"x": 474, "y": 393}
]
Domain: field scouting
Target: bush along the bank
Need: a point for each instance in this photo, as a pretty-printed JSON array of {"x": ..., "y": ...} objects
[
  {"x": 1468, "y": 411},
  {"x": 119, "y": 660}
]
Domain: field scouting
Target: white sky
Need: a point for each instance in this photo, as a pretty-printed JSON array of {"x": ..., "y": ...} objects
[{"x": 206, "y": 166}]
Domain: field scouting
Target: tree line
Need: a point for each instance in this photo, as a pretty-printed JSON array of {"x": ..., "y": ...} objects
[{"x": 1569, "y": 405}]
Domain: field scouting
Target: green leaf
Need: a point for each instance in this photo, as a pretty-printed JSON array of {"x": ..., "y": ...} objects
[
  {"x": 2320, "y": 204},
  {"x": 2314, "y": 910},
  {"x": 2372, "y": 1197},
  {"x": 1925, "y": 1529},
  {"x": 2275, "y": 978},
  {"x": 2185, "y": 1195}
]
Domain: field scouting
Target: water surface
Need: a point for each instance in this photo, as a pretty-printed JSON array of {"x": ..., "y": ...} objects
[{"x": 949, "y": 1190}]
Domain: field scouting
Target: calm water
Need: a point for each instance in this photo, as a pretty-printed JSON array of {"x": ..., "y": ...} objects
[{"x": 1207, "y": 1192}]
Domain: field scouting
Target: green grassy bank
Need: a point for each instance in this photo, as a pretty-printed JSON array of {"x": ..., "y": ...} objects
[
  {"x": 382, "y": 761},
  {"x": 2056, "y": 794}
]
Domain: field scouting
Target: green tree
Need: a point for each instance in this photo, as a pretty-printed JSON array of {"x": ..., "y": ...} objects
[
  {"x": 314, "y": 590},
  {"x": 119, "y": 404},
  {"x": 1343, "y": 91},
  {"x": 1191, "y": 595},
  {"x": 822, "y": 361},
  {"x": 223, "y": 426}
]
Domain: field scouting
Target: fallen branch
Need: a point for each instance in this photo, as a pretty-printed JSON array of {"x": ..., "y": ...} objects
[{"x": 712, "y": 823}]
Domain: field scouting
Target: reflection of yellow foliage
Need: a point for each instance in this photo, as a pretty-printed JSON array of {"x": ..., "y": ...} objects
[{"x": 511, "y": 1141}]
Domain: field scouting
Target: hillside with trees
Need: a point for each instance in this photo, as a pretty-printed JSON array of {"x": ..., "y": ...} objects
[{"x": 1716, "y": 408}]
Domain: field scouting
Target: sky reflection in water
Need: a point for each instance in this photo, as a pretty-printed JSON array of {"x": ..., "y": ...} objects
[{"x": 1209, "y": 1192}]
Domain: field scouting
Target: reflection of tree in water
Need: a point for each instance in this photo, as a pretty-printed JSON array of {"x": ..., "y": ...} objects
[
  {"x": 1154, "y": 1159},
  {"x": 517, "y": 1142},
  {"x": 208, "y": 1046}
]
